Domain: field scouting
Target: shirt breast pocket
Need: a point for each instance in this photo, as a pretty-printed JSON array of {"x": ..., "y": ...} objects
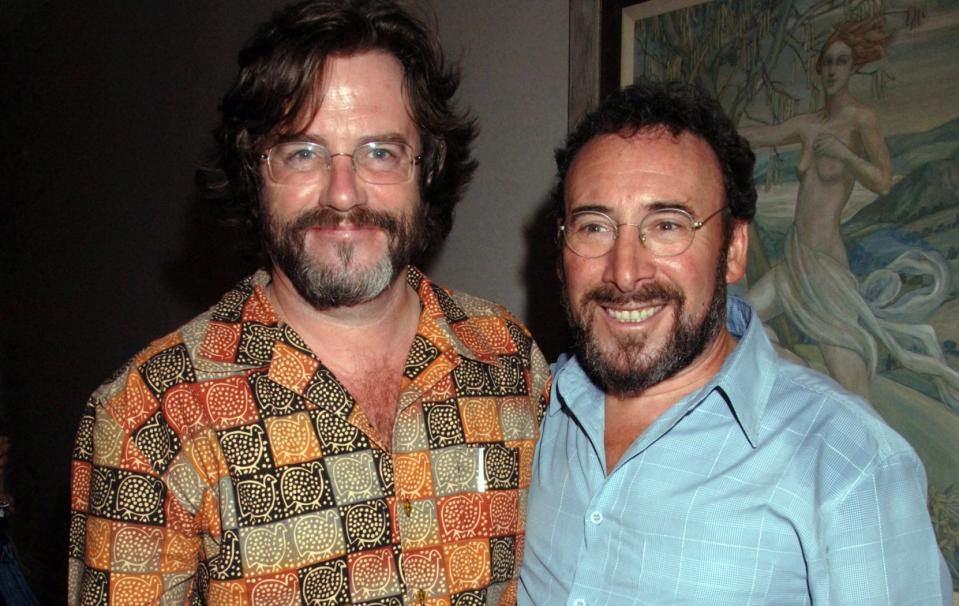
[
  {"x": 476, "y": 468},
  {"x": 497, "y": 466},
  {"x": 478, "y": 496}
]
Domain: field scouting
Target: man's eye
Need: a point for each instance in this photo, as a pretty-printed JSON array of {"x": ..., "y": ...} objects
[
  {"x": 667, "y": 226},
  {"x": 590, "y": 228},
  {"x": 381, "y": 153},
  {"x": 301, "y": 155}
]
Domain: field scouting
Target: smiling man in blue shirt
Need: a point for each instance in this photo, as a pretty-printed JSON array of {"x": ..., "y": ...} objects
[{"x": 681, "y": 461}]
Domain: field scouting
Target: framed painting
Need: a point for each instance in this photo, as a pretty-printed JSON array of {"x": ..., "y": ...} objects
[{"x": 850, "y": 108}]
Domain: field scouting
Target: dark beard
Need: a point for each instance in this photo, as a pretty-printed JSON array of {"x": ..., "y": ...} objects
[
  {"x": 629, "y": 369},
  {"x": 334, "y": 285}
]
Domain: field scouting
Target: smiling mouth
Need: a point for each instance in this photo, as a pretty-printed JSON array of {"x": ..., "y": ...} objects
[
  {"x": 345, "y": 230},
  {"x": 633, "y": 315},
  {"x": 347, "y": 225}
]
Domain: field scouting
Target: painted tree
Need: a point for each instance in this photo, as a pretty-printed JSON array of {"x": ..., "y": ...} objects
[{"x": 754, "y": 53}]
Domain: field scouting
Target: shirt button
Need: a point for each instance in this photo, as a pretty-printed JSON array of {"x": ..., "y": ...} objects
[
  {"x": 421, "y": 596},
  {"x": 579, "y": 602},
  {"x": 407, "y": 507},
  {"x": 596, "y": 518}
]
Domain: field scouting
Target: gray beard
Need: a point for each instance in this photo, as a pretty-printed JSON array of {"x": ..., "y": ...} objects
[
  {"x": 327, "y": 285},
  {"x": 629, "y": 368}
]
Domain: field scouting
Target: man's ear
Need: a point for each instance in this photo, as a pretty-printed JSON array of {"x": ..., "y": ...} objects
[
  {"x": 437, "y": 161},
  {"x": 559, "y": 246},
  {"x": 737, "y": 252}
]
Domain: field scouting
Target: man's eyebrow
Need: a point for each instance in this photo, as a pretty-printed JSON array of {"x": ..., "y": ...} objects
[
  {"x": 670, "y": 205},
  {"x": 391, "y": 137},
  {"x": 593, "y": 207},
  {"x": 599, "y": 207},
  {"x": 304, "y": 137}
]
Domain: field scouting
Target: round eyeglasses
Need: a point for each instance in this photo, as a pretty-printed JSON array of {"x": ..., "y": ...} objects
[
  {"x": 664, "y": 233},
  {"x": 305, "y": 163}
]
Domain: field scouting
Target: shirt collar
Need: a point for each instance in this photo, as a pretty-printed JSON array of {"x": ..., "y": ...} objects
[
  {"x": 450, "y": 320},
  {"x": 445, "y": 317},
  {"x": 746, "y": 377},
  {"x": 743, "y": 381}
]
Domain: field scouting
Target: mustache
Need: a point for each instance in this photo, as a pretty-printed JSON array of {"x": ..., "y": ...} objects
[
  {"x": 360, "y": 217},
  {"x": 649, "y": 292}
]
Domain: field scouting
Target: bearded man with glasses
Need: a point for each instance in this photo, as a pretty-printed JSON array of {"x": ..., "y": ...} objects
[
  {"x": 680, "y": 460},
  {"x": 338, "y": 429}
]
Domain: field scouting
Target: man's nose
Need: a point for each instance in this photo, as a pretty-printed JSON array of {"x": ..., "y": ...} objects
[
  {"x": 343, "y": 191},
  {"x": 629, "y": 262}
]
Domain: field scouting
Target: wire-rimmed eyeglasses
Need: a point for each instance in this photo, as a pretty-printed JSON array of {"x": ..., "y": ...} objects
[
  {"x": 306, "y": 163},
  {"x": 664, "y": 233}
]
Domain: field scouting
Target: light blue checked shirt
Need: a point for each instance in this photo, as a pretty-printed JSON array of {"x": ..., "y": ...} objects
[{"x": 771, "y": 485}]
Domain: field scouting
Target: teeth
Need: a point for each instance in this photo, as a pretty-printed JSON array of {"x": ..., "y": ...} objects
[{"x": 633, "y": 315}]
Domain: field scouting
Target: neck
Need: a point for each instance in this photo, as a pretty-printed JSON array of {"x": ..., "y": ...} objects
[
  {"x": 381, "y": 325},
  {"x": 655, "y": 400},
  {"x": 833, "y": 103},
  {"x": 627, "y": 416}
]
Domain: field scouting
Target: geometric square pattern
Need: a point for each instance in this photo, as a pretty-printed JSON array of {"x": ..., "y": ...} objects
[{"x": 229, "y": 454}]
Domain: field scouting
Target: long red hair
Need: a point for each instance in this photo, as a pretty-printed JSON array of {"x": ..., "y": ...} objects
[{"x": 867, "y": 40}]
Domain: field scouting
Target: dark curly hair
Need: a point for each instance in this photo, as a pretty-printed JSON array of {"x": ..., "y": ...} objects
[
  {"x": 675, "y": 107},
  {"x": 280, "y": 67}
]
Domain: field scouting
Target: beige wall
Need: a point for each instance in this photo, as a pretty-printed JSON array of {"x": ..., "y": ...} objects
[{"x": 514, "y": 57}]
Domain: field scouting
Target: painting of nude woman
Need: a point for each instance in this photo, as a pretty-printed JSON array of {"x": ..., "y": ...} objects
[
  {"x": 841, "y": 144},
  {"x": 854, "y": 268}
]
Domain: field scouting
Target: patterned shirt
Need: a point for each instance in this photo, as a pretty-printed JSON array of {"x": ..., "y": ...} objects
[
  {"x": 225, "y": 464},
  {"x": 771, "y": 485}
]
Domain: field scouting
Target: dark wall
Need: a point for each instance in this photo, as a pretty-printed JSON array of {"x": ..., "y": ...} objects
[{"x": 106, "y": 111}]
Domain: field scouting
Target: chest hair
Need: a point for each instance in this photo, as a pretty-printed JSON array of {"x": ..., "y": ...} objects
[{"x": 377, "y": 389}]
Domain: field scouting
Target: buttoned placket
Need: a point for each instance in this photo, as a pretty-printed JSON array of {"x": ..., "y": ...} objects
[
  {"x": 411, "y": 394},
  {"x": 591, "y": 419}
]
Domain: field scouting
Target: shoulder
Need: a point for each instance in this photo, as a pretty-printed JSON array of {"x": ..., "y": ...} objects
[
  {"x": 458, "y": 306},
  {"x": 477, "y": 307},
  {"x": 837, "y": 427},
  {"x": 143, "y": 385},
  {"x": 494, "y": 321},
  {"x": 170, "y": 351},
  {"x": 864, "y": 115},
  {"x": 488, "y": 332},
  {"x": 204, "y": 348},
  {"x": 505, "y": 333}
]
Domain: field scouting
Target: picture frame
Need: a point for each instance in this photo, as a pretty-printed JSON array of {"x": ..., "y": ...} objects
[{"x": 909, "y": 87}]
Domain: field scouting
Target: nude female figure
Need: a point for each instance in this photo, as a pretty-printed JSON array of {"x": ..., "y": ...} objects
[{"x": 841, "y": 143}]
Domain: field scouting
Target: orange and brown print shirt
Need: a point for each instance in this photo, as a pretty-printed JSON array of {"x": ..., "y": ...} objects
[{"x": 226, "y": 465}]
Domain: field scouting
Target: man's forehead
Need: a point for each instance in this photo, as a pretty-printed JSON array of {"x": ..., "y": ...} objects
[
  {"x": 646, "y": 151},
  {"x": 648, "y": 169},
  {"x": 656, "y": 136},
  {"x": 370, "y": 82}
]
